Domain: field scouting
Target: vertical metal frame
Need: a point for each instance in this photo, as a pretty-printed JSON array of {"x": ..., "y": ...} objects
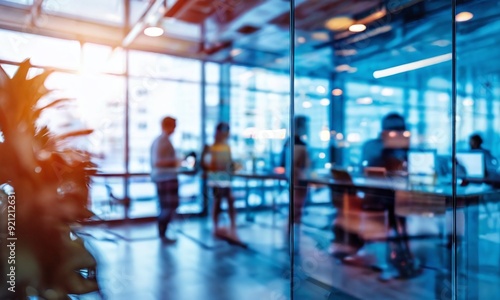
[
  {"x": 204, "y": 188},
  {"x": 292, "y": 134},
  {"x": 126, "y": 193},
  {"x": 454, "y": 261}
]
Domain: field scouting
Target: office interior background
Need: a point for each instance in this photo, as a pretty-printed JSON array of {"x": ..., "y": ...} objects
[{"x": 344, "y": 65}]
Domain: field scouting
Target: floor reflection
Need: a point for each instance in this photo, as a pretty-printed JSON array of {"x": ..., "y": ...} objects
[{"x": 135, "y": 264}]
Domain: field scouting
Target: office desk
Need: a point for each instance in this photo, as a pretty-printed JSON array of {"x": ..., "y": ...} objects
[
  {"x": 402, "y": 184},
  {"x": 467, "y": 197},
  {"x": 260, "y": 177}
]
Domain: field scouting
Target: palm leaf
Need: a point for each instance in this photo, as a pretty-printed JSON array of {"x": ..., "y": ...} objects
[
  {"x": 75, "y": 133},
  {"x": 38, "y": 112}
]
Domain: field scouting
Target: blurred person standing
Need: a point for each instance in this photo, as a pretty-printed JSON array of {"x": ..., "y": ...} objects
[
  {"x": 297, "y": 167},
  {"x": 163, "y": 172},
  {"x": 217, "y": 160}
]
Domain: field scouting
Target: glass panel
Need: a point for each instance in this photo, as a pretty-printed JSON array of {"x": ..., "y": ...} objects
[
  {"x": 43, "y": 51},
  {"x": 148, "y": 106},
  {"x": 106, "y": 197},
  {"x": 144, "y": 196},
  {"x": 184, "y": 30},
  {"x": 109, "y": 11},
  {"x": 23, "y": 2},
  {"x": 213, "y": 72},
  {"x": 99, "y": 105},
  {"x": 154, "y": 65},
  {"x": 373, "y": 143},
  {"x": 212, "y": 110},
  {"x": 137, "y": 9},
  {"x": 259, "y": 123},
  {"x": 102, "y": 59},
  {"x": 478, "y": 150}
]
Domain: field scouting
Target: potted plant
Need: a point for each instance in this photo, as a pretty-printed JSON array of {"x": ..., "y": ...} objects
[{"x": 44, "y": 191}]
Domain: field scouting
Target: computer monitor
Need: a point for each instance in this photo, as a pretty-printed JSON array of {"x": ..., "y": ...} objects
[
  {"x": 473, "y": 163},
  {"x": 422, "y": 162}
]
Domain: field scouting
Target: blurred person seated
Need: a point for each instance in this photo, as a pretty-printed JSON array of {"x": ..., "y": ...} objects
[
  {"x": 490, "y": 162},
  {"x": 389, "y": 152},
  {"x": 390, "y": 149}
]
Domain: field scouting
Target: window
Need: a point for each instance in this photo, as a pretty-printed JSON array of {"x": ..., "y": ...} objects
[{"x": 43, "y": 51}]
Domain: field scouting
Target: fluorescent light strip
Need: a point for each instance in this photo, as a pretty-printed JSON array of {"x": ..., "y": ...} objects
[{"x": 413, "y": 66}]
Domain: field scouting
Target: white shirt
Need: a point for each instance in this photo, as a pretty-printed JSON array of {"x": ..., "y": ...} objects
[{"x": 162, "y": 149}]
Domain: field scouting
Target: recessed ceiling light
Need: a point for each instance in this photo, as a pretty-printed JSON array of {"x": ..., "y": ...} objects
[
  {"x": 324, "y": 102},
  {"x": 153, "y": 31},
  {"x": 357, "y": 28},
  {"x": 320, "y": 36},
  {"x": 463, "y": 16},
  {"x": 236, "y": 52},
  {"x": 441, "y": 43},
  {"x": 342, "y": 68},
  {"x": 320, "y": 89},
  {"x": 410, "y": 49},
  {"x": 337, "y": 92},
  {"x": 324, "y": 135},
  {"x": 339, "y": 23},
  {"x": 346, "y": 52},
  {"x": 365, "y": 100},
  {"x": 306, "y": 104},
  {"x": 345, "y": 68}
]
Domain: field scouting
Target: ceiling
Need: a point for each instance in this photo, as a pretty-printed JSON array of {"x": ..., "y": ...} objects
[{"x": 257, "y": 32}]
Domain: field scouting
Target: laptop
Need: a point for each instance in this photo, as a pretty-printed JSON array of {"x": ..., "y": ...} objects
[{"x": 472, "y": 163}]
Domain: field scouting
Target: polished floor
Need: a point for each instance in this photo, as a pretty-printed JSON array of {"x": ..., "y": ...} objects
[{"x": 135, "y": 264}]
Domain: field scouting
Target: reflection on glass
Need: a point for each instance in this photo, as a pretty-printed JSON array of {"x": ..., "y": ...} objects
[
  {"x": 478, "y": 151},
  {"x": 98, "y": 104},
  {"x": 379, "y": 206},
  {"x": 106, "y": 198}
]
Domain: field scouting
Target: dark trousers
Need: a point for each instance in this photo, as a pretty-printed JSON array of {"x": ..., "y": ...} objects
[{"x": 168, "y": 195}]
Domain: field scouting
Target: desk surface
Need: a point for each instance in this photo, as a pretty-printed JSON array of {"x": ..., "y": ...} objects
[
  {"x": 402, "y": 184},
  {"x": 263, "y": 176},
  {"x": 179, "y": 171}
]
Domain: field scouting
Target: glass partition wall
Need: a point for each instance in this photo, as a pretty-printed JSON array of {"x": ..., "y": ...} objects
[
  {"x": 412, "y": 143},
  {"x": 477, "y": 117}
]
